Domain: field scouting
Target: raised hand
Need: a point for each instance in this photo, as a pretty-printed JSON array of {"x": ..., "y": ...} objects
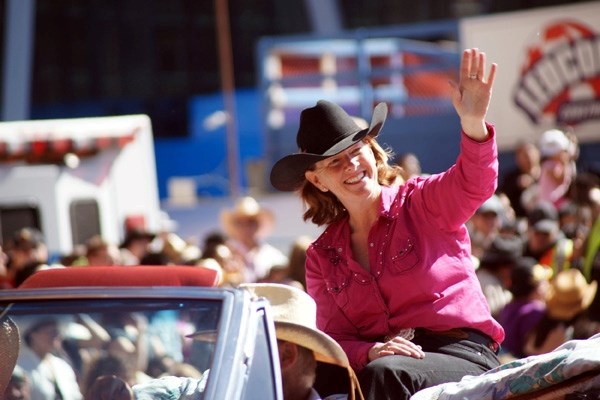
[{"x": 472, "y": 94}]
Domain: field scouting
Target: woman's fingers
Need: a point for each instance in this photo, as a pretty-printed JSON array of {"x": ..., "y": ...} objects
[
  {"x": 405, "y": 347},
  {"x": 492, "y": 75},
  {"x": 396, "y": 346}
]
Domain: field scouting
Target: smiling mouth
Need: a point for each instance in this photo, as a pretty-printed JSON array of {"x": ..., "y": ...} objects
[{"x": 356, "y": 179}]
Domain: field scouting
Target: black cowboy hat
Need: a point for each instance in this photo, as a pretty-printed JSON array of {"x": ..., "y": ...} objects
[{"x": 325, "y": 130}]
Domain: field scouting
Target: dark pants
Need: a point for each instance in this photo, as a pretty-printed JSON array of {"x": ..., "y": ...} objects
[{"x": 446, "y": 360}]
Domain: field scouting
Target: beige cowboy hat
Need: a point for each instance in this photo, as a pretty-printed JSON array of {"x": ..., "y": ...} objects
[
  {"x": 295, "y": 314},
  {"x": 247, "y": 207},
  {"x": 569, "y": 294}
]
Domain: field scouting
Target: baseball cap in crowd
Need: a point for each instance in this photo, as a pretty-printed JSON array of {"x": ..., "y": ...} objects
[
  {"x": 543, "y": 218},
  {"x": 552, "y": 142}
]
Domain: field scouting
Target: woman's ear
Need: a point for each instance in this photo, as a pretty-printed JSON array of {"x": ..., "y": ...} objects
[{"x": 313, "y": 178}]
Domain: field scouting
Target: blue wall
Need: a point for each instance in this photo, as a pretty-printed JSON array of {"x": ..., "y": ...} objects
[{"x": 202, "y": 155}]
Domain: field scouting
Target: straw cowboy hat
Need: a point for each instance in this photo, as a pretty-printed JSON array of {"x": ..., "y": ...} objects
[
  {"x": 9, "y": 350},
  {"x": 325, "y": 130},
  {"x": 295, "y": 315},
  {"x": 569, "y": 294},
  {"x": 247, "y": 207}
]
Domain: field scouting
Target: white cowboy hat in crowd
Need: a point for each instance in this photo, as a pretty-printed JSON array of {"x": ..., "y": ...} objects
[{"x": 247, "y": 207}]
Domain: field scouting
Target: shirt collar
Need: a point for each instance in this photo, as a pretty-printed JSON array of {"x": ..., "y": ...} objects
[{"x": 389, "y": 194}]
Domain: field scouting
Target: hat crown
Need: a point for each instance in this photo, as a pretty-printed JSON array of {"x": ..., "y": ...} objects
[
  {"x": 569, "y": 294},
  {"x": 325, "y": 130},
  {"x": 288, "y": 304},
  {"x": 323, "y": 126},
  {"x": 295, "y": 316},
  {"x": 569, "y": 286},
  {"x": 247, "y": 206},
  {"x": 552, "y": 142}
]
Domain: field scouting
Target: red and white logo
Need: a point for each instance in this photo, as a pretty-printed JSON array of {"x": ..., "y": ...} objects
[{"x": 559, "y": 82}]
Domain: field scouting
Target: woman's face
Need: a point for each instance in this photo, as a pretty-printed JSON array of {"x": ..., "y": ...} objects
[{"x": 349, "y": 173}]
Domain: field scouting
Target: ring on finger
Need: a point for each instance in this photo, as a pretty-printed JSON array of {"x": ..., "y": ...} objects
[{"x": 473, "y": 76}]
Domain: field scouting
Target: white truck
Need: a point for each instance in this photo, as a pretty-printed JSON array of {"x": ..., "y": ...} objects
[{"x": 74, "y": 178}]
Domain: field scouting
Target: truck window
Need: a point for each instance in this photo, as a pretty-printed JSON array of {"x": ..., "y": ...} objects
[
  {"x": 85, "y": 220},
  {"x": 15, "y": 217}
]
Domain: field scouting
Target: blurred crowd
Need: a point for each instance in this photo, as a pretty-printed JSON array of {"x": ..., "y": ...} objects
[{"x": 536, "y": 245}]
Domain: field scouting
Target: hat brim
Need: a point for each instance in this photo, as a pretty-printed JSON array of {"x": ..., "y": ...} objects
[
  {"x": 546, "y": 226},
  {"x": 288, "y": 173},
  {"x": 141, "y": 236},
  {"x": 324, "y": 347},
  {"x": 265, "y": 218}
]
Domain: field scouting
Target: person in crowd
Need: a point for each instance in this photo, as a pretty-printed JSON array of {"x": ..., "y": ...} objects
[
  {"x": 294, "y": 272},
  {"x": 529, "y": 284},
  {"x": 392, "y": 274},
  {"x": 129, "y": 341},
  {"x": 410, "y": 164},
  {"x": 545, "y": 241},
  {"x": 495, "y": 268},
  {"x": 484, "y": 225},
  {"x": 246, "y": 227},
  {"x": 106, "y": 365},
  {"x": 135, "y": 246},
  {"x": 154, "y": 257},
  {"x": 231, "y": 263},
  {"x": 177, "y": 250},
  {"x": 26, "y": 250},
  {"x": 301, "y": 347},
  {"x": 75, "y": 257},
  {"x": 586, "y": 193},
  {"x": 109, "y": 387},
  {"x": 19, "y": 386},
  {"x": 83, "y": 340},
  {"x": 99, "y": 252},
  {"x": 568, "y": 298},
  {"x": 29, "y": 269},
  {"x": 51, "y": 376},
  {"x": 557, "y": 170},
  {"x": 297, "y": 257},
  {"x": 6, "y": 282},
  {"x": 522, "y": 177}
]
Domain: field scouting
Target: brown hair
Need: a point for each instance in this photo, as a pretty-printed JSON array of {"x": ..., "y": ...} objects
[
  {"x": 109, "y": 387},
  {"x": 323, "y": 208}
]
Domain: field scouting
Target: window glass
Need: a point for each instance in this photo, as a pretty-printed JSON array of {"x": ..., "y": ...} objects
[
  {"x": 135, "y": 340},
  {"x": 85, "y": 220},
  {"x": 13, "y": 218}
]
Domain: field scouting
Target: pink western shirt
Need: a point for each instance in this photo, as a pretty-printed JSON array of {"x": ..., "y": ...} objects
[{"x": 422, "y": 274}]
